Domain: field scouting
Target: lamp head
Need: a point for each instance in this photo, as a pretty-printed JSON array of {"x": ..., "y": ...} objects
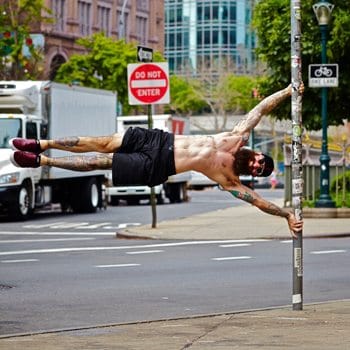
[{"x": 323, "y": 11}]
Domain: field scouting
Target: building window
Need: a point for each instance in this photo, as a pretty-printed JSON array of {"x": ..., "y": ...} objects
[
  {"x": 141, "y": 29},
  {"x": 103, "y": 14},
  {"x": 84, "y": 10},
  {"x": 142, "y": 5},
  {"x": 58, "y": 12}
]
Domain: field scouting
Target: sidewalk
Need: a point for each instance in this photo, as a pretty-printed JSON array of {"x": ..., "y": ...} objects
[
  {"x": 242, "y": 222},
  {"x": 316, "y": 327}
]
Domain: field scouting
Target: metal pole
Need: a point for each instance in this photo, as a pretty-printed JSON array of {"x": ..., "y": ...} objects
[
  {"x": 325, "y": 200},
  {"x": 297, "y": 169},
  {"x": 122, "y": 33},
  {"x": 153, "y": 196}
]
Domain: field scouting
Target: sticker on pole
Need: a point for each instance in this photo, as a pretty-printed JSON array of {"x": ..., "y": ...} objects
[{"x": 148, "y": 83}]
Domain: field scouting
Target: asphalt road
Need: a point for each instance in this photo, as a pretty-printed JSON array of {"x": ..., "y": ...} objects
[
  {"x": 116, "y": 217},
  {"x": 79, "y": 283},
  {"x": 69, "y": 271}
]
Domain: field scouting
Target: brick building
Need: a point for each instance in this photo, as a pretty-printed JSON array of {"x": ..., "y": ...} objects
[{"x": 135, "y": 20}]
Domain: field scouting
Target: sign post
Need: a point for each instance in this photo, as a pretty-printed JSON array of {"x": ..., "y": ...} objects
[
  {"x": 148, "y": 85},
  {"x": 297, "y": 168}
]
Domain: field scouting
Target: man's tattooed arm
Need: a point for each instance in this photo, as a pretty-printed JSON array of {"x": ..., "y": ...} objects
[
  {"x": 263, "y": 108},
  {"x": 260, "y": 203},
  {"x": 253, "y": 198}
]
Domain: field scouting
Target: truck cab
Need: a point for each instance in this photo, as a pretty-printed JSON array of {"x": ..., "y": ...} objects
[
  {"x": 42, "y": 110},
  {"x": 17, "y": 185}
]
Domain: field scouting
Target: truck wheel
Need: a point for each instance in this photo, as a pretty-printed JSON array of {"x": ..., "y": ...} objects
[
  {"x": 22, "y": 209},
  {"x": 114, "y": 200},
  {"x": 133, "y": 201},
  {"x": 174, "y": 192},
  {"x": 160, "y": 198},
  {"x": 91, "y": 195}
]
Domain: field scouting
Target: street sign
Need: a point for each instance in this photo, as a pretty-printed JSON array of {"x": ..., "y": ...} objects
[
  {"x": 323, "y": 75},
  {"x": 148, "y": 83},
  {"x": 144, "y": 54}
]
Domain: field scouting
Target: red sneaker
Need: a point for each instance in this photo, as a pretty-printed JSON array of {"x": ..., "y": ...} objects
[
  {"x": 28, "y": 145},
  {"x": 25, "y": 159}
]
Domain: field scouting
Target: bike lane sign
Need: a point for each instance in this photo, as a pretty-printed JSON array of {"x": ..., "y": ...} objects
[{"x": 323, "y": 75}]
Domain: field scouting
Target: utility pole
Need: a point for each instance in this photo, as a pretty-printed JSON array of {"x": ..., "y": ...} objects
[{"x": 297, "y": 167}]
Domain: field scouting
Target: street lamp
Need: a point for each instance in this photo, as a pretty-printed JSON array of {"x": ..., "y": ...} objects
[
  {"x": 323, "y": 11},
  {"x": 122, "y": 31}
]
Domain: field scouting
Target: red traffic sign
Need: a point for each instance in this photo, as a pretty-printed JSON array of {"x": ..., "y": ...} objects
[{"x": 148, "y": 83}]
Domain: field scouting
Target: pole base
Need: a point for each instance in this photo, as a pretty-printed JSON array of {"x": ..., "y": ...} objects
[{"x": 325, "y": 203}]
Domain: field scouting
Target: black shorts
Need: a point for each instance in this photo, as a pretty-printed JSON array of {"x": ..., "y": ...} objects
[{"x": 146, "y": 157}]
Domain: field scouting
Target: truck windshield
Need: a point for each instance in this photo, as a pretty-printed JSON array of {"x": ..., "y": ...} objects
[{"x": 9, "y": 128}]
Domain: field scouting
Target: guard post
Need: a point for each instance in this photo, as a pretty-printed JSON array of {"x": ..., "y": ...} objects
[{"x": 297, "y": 169}]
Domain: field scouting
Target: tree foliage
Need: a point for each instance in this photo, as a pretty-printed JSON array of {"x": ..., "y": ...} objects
[
  {"x": 272, "y": 21},
  {"x": 104, "y": 66},
  {"x": 220, "y": 97},
  {"x": 185, "y": 98},
  {"x": 20, "y": 58}
]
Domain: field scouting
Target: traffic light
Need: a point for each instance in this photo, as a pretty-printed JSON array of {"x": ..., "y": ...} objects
[{"x": 7, "y": 41}]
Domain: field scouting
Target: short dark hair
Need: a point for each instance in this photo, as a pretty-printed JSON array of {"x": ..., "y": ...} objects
[{"x": 242, "y": 159}]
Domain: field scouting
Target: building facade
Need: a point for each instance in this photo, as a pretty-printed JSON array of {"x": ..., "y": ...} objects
[
  {"x": 206, "y": 37},
  {"x": 141, "y": 21}
]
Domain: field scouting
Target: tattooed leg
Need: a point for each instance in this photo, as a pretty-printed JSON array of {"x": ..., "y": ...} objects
[
  {"x": 102, "y": 144},
  {"x": 79, "y": 163}
]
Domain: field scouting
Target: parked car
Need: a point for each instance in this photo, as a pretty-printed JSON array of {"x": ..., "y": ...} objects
[
  {"x": 199, "y": 181},
  {"x": 248, "y": 180}
]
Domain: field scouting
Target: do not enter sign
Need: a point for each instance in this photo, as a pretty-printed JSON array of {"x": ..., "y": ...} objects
[{"x": 148, "y": 83}]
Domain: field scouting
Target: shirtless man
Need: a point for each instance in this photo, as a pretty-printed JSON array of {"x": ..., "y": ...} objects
[{"x": 148, "y": 157}]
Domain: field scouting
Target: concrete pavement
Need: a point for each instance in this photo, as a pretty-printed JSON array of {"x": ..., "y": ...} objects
[
  {"x": 242, "y": 222},
  {"x": 318, "y": 326}
]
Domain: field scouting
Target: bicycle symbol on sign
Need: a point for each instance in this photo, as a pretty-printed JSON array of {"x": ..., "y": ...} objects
[{"x": 323, "y": 71}]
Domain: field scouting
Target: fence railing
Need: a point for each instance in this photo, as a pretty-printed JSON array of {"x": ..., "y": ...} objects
[{"x": 339, "y": 164}]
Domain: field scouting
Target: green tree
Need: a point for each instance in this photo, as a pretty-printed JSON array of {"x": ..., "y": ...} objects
[
  {"x": 20, "y": 58},
  {"x": 104, "y": 66},
  {"x": 220, "y": 97},
  {"x": 272, "y": 21},
  {"x": 184, "y": 96}
]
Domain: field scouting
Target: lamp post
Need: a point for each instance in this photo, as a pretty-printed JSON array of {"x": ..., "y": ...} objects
[
  {"x": 122, "y": 31},
  {"x": 323, "y": 11}
]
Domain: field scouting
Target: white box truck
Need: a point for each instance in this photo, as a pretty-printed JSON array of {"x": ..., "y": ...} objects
[
  {"x": 47, "y": 110},
  {"x": 175, "y": 189}
]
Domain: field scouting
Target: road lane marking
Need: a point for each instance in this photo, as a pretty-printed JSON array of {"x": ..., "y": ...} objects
[
  {"x": 232, "y": 258},
  {"x": 46, "y": 240},
  {"x": 145, "y": 252},
  {"x": 143, "y": 246},
  {"x": 81, "y": 225},
  {"x": 18, "y": 261},
  {"x": 234, "y": 245},
  {"x": 118, "y": 265},
  {"x": 43, "y": 225},
  {"x": 56, "y": 233},
  {"x": 316, "y": 252}
]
